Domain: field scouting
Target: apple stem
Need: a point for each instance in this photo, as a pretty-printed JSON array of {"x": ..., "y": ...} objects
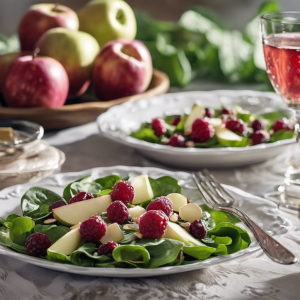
[
  {"x": 35, "y": 53},
  {"x": 55, "y": 7}
]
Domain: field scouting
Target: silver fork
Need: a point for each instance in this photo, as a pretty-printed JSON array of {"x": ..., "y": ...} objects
[{"x": 216, "y": 197}]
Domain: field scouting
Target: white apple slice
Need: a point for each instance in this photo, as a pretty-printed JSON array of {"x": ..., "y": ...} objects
[
  {"x": 178, "y": 200},
  {"x": 215, "y": 122},
  {"x": 67, "y": 243},
  {"x": 113, "y": 233},
  {"x": 79, "y": 211},
  {"x": 176, "y": 232},
  {"x": 198, "y": 111},
  {"x": 190, "y": 212},
  {"x": 142, "y": 188},
  {"x": 135, "y": 212}
]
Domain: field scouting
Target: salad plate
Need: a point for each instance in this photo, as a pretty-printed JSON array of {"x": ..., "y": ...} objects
[
  {"x": 119, "y": 122},
  {"x": 264, "y": 212}
]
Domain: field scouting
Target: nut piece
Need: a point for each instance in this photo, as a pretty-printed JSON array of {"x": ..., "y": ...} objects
[
  {"x": 129, "y": 227},
  {"x": 139, "y": 235},
  {"x": 50, "y": 221},
  {"x": 135, "y": 220},
  {"x": 185, "y": 225},
  {"x": 190, "y": 144},
  {"x": 174, "y": 217},
  {"x": 190, "y": 212}
]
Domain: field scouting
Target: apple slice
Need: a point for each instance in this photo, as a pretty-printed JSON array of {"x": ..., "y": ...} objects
[
  {"x": 215, "y": 122},
  {"x": 67, "y": 243},
  {"x": 113, "y": 233},
  {"x": 142, "y": 188},
  {"x": 178, "y": 200},
  {"x": 135, "y": 212},
  {"x": 190, "y": 212},
  {"x": 228, "y": 138},
  {"x": 176, "y": 232},
  {"x": 198, "y": 111},
  {"x": 77, "y": 212}
]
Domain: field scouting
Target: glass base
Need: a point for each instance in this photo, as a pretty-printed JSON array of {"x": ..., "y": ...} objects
[{"x": 292, "y": 175}]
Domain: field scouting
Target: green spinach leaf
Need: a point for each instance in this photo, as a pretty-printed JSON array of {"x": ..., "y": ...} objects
[
  {"x": 20, "y": 229},
  {"x": 164, "y": 185}
]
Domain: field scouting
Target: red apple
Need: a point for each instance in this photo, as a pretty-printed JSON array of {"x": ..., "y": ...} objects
[
  {"x": 35, "y": 82},
  {"x": 6, "y": 59},
  {"x": 42, "y": 17},
  {"x": 122, "y": 68}
]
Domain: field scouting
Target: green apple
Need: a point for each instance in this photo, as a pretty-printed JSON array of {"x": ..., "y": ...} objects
[
  {"x": 75, "y": 50},
  {"x": 67, "y": 243},
  {"x": 135, "y": 212},
  {"x": 142, "y": 189},
  {"x": 178, "y": 200},
  {"x": 198, "y": 111},
  {"x": 77, "y": 212},
  {"x": 190, "y": 212},
  {"x": 176, "y": 232},
  {"x": 107, "y": 20},
  {"x": 113, "y": 233},
  {"x": 228, "y": 138}
]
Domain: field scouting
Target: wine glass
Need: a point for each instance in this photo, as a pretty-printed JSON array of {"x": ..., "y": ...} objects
[{"x": 281, "y": 45}]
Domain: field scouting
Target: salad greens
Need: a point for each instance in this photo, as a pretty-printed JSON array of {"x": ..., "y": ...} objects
[
  {"x": 201, "y": 45},
  {"x": 223, "y": 235}
]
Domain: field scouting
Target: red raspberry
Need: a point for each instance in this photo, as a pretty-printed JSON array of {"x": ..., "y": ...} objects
[
  {"x": 123, "y": 191},
  {"x": 259, "y": 137},
  {"x": 177, "y": 140},
  {"x": 159, "y": 127},
  {"x": 57, "y": 204},
  {"x": 197, "y": 229},
  {"x": 92, "y": 229},
  {"x": 202, "y": 131},
  {"x": 153, "y": 224},
  {"x": 81, "y": 196},
  {"x": 209, "y": 112},
  {"x": 37, "y": 244},
  {"x": 117, "y": 212},
  {"x": 237, "y": 126},
  {"x": 226, "y": 111},
  {"x": 176, "y": 120},
  {"x": 282, "y": 124},
  {"x": 257, "y": 125},
  {"x": 107, "y": 248},
  {"x": 161, "y": 203}
]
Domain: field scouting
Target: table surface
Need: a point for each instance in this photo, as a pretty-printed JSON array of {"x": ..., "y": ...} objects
[{"x": 252, "y": 276}]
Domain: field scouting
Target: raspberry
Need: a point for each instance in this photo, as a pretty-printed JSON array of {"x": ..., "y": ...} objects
[
  {"x": 176, "y": 120},
  {"x": 257, "y": 125},
  {"x": 153, "y": 224},
  {"x": 282, "y": 124},
  {"x": 237, "y": 126},
  {"x": 37, "y": 244},
  {"x": 92, "y": 229},
  {"x": 259, "y": 137},
  {"x": 117, "y": 212},
  {"x": 197, "y": 229},
  {"x": 177, "y": 140},
  {"x": 161, "y": 203},
  {"x": 57, "y": 204},
  {"x": 123, "y": 191},
  {"x": 159, "y": 127},
  {"x": 81, "y": 196},
  {"x": 107, "y": 248},
  {"x": 226, "y": 111},
  {"x": 202, "y": 131},
  {"x": 209, "y": 112}
]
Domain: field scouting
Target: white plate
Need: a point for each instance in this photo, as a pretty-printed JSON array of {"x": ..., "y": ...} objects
[
  {"x": 119, "y": 121},
  {"x": 262, "y": 211}
]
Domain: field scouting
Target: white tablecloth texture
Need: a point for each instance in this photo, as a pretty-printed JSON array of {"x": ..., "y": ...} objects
[{"x": 253, "y": 276}]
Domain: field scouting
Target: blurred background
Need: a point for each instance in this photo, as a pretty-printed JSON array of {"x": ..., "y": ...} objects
[{"x": 236, "y": 12}]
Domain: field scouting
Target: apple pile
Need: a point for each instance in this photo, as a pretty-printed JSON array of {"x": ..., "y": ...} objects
[{"x": 63, "y": 53}]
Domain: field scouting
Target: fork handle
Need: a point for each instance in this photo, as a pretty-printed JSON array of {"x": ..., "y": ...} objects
[{"x": 270, "y": 246}]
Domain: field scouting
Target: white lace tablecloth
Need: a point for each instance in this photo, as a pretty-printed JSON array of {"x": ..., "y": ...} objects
[{"x": 252, "y": 276}]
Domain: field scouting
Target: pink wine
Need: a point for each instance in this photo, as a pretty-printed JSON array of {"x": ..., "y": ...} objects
[{"x": 282, "y": 56}]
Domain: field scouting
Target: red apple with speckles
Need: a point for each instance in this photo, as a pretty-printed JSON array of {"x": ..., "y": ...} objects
[
  {"x": 35, "y": 82},
  {"x": 122, "y": 68},
  {"x": 42, "y": 17}
]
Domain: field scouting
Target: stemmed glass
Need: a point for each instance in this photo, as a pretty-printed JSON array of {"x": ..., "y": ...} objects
[{"x": 281, "y": 43}]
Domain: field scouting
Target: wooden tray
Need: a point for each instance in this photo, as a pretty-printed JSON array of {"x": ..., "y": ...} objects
[{"x": 78, "y": 114}]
